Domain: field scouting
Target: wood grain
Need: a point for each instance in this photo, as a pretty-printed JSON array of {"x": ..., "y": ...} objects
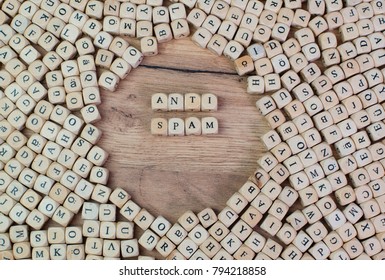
[{"x": 170, "y": 175}]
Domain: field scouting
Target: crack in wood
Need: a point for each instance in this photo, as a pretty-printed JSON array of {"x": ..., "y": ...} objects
[{"x": 188, "y": 70}]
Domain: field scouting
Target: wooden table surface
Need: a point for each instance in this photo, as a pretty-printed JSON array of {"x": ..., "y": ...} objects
[{"x": 170, "y": 175}]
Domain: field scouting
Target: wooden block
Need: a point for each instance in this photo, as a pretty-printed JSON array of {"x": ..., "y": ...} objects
[
  {"x": 196, "y": 17},
  {"x": 212, "y": 23},
  {"x": 107, "y": 230},
  {"x": 124, "y": 230},
  {"x": 377, "y": 187},
  {"x": 62, "y": 216},
  {"x": 327, "y": 40},
  {"x": 231, "y": 243},
  {"x": 335, "y": 219},
  {"x": 73, "y": 235},
  {"x": 363, "y": 193},
  {"x": 365, "y": 229},
  {"x": 107, "y": 212},
  {"x": 304, "y": 36},
  {"x": 262, "y": 203},
  {"x": 308, "y": 196},
  {"x": 372, "y": 246},
  {"x": 90, "y": 211},
  {"x": 73, "y": 201},
  {"x": 244, "y": 65},
  {"x": 237, "y": 202},
  {"x": 165, "y": 247},
  {"x": 175, "y": 127},
  {"x": 82, "y": 167},
  {"x": 75, "y": 252},
  {"x": 297, "y": 144},
  {"x": 149, "y": 46},
  {"x": 67, "y": 158},
  {"x": 209, "y": 125},
  {"x": 180, "y": 28},
  {"x": 310, "y": 72},
  {"x": 330, "y": 57},
  {"x": 159, "y": 102},
  {"x": 207, "y": 217},
  {"x": 22, "y": 250},
  {"x": 290, "y": 80},
  {"x": 278, "y": 209},
  {"x": 251, "y": 216},
  {"x": 353, "y": 248},
  {"x": 94, "y": 246},
  {"x": 133, "y": 56},
  {"x": 312, "y": 137},
  {"x": 292, "y": 47},
  {"x": 48, "y": 206},
  {"x": 111, "y": 248},
  {"x": 275, "y": 118},
  {"x": 242, "y": 230},
  {"x": 282, "y": 98},
  {"x": 271, "y": 139},
  {"x": 7, "y": 203},
  {"x": 378, "y": 225},
  {"x": 255, "y": 242},
  {"x": 249, "y": 21},
  {"x": 177, "y": 11},
  {"x": 345, "y": 147},
  {"x": 91, "y": 229},
  {"x": 281, "y": 152},
  {"x": 312, "y": 213},
  {"x": 379, "y": 256},
  {"x": 210, "y": 247},
  {"x": 5, "y": 223},
  {"x": 56, "y": 235},
  {"x": 101, "y": 193},
  {"x": 193, "y": 126},
  {"x": 119, "y": 197},
  {"x": 347, "y": 232},
  {"x": 201, "y": 37},
  {"x": 370, "y": 208},
  {"x": 271, "y": 224},
  {"x": 319, "y": 251},
  {"x": 59, "y": 193},
  {"x": 243, "y": 36},
  {"x": 273, "y": 48},
  {"x": 272, "y": 249},
  {"x": 176, "y": 234},
  {"x": 90, "y": 114},
  {"x": 198, "y": 234},
  {"x": 267, "y": 162},
  {"x": 280, "y": 31},
  {"x": 160, "y": 226},
  {"x": 302, "y": 241},
  {"x": 144, "y": 219},
  {"x": 287, "y": 234},
  {"x": 163, "y": 32},
  {"x": 294, "y": 109},
  {"x": 91, "y": 95},
  {"x": 291, "y": 253},
  {"x": 18, "y": 234},
  {"x": 234, "y": 15},
  {"x": 187, "y": 248},
  {"x": 57, "y": 94},
  {"x": 176, "y": 255},
  {"x": 217, "y": 44},
  {"x": 244, "y": 253},
  {"x": 129, "y": 248},
  {"x": 227, "y": 216},
  {"x": 175, "y": 102}
]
